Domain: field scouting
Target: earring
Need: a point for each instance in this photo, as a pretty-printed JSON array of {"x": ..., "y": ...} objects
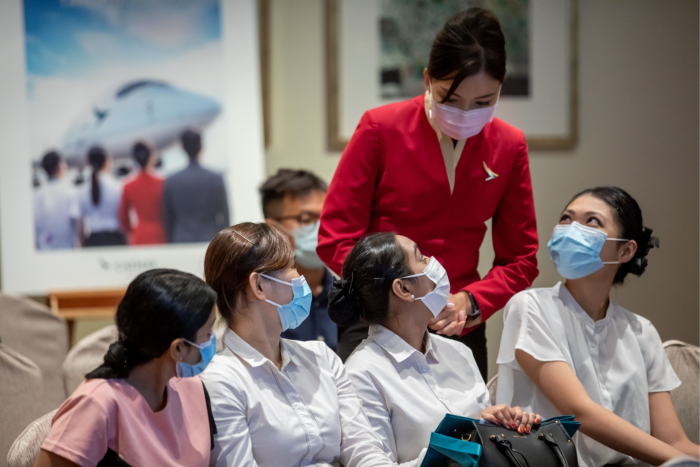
[{"x": 413, "y": 297}]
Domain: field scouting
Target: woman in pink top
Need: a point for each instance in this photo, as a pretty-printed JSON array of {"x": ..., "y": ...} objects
[{"x": 142, "y": 406}]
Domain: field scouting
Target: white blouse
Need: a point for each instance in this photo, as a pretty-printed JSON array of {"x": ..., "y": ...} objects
[
  {"x": 307, "y": 414},
  {"x": 618, "y": 359},
  {"x": 406, "y": 393}
]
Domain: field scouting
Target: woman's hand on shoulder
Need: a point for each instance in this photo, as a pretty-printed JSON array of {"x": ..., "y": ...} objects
[{"x": 511, "y": 417}]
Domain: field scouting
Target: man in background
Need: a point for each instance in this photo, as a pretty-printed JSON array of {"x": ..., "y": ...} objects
[
  {"x": 56, "y": 210},
  {"x": 195, "y": 207},
  {"x": 292, "y": 201}
]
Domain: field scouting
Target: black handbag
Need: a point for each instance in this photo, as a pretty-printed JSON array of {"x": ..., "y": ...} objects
[{"x": 461, "y": 441}]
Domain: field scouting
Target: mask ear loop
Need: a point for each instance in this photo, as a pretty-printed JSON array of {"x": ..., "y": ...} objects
[{"x": 614, "y": 240}]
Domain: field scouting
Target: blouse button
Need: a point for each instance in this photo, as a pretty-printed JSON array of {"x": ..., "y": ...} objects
[{"x": 425, "y": 369}]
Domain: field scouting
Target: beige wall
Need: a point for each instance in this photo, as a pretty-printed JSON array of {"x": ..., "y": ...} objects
[{"x": 638, "y": 62}]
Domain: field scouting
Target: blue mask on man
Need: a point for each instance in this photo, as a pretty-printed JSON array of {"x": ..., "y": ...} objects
[
  {"x": 296, "y": 311},
  {"x": 305, "y": 243},
  {"x": 575, "y": 249},
  {"x": 208, "y": 349}
]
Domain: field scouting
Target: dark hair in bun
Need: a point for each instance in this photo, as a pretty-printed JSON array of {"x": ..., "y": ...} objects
[
  {"x": 629, "y": 217},
  {"x": 159, "y": 306},
  {"x": 369, "y": 271}
]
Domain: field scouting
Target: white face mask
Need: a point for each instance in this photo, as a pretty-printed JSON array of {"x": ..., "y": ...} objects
[
  {"x": 436, "y": 300},
  {"x": 457, "y": 123}
]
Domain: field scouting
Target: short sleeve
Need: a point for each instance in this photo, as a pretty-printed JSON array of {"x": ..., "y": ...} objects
[
  {"x": 660, "y": 374},
  {"x": 526, "y": 328},
  {"x": 80, "y": 431}
]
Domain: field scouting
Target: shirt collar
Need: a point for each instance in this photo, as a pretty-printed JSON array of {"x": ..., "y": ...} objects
[
  {"x": 398, "y": 348},
  {"x": 579, "y": 312},
  {"x": 252, "y": 357},
  {"x": 427, "y": 102}
]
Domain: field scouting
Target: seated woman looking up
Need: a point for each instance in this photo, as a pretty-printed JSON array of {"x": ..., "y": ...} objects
[
  {"x": 407, "y": 378},
  {"x": 277, "y": 402},
  {"x": 570, "y": 349},
  {"x": 142, "y": 406}
]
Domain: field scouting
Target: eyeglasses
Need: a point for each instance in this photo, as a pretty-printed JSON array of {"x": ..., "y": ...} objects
[{"x": 303, "y": 218}]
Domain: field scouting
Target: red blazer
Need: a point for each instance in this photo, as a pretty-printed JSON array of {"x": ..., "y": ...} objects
[
  {"x": 143, "y": 194},
  {"x": 392, "y": 177}
]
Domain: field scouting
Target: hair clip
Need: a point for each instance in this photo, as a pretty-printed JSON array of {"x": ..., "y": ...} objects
[{"x": 243, "y": 237}]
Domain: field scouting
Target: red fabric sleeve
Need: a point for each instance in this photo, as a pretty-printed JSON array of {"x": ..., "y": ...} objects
[
  {"x": 347, "y": 209},
  {"x": 515, "y": 242},
  {"x": 124, "y": 213}
]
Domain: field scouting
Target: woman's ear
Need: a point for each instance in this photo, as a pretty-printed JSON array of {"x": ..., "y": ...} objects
[
  {"x": 177, "y": 349},
  {"x": 627, "y": 252},
  {"x": 401, "y": 291},
  {"x": 254, "y": 283}
]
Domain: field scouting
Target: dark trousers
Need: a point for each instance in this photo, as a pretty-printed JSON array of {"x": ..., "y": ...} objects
[
  {"x": 349, "y": 338},
  {"x": 105, "y": 239}
]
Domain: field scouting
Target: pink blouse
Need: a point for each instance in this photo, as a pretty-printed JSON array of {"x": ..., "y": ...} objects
[{"x": 111, "y": 414}]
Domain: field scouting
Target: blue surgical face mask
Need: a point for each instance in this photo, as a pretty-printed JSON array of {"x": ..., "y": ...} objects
[
  {"x": 305, "y": 242},
  {"x": 208, "y": 349},
  {"x": 296, "y": 311},
  {"x": 575, "y": 249}
]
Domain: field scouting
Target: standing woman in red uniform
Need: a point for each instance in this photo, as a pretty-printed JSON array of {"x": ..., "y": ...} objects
[
  {"x": 435, "y": 168},
  {"x": 141, "y": 208}
]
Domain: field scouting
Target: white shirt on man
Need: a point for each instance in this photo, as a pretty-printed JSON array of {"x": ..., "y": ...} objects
[
  {"x": 619, "y": 360},
  {"x": 305, "y": 414},
  {"x": 406, "y": 393},
  {"x": 55, "y": 214}
]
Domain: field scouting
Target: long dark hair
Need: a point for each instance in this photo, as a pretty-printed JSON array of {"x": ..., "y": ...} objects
[
  {"x": 159, "y": 306},
  {"x": 369, "y": 271},
  {"x": 97, "y": 158},
  {"x": 142, "y": 154},
  {"x": 629, "y": 217},
  {"x": 238, "y": 251},
  {"x": 470, "y": 41}
]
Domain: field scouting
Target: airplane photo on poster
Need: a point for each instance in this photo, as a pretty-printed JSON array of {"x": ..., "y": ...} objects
[{"x": 147, "y": 110}]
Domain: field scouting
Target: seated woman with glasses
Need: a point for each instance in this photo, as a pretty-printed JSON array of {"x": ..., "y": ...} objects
[
  {"x": 144, "y": 405},
  {"x": 277, "y": 402},
  {"x": 409, "y": 379},
  {"x": 571, "y": 349}
]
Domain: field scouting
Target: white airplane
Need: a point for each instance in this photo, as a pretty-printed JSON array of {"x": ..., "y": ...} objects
[{"x": 148, "y": 110}]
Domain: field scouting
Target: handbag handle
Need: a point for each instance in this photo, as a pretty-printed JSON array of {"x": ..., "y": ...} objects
[
  {"x": 464, "y": 452},
  {"x": 554, "y": 446},
  {"x": 506, "y": 448}
]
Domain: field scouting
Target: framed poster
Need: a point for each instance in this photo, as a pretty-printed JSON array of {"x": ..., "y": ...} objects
[
  {"x": 376, "y": 51},
  {"x": 83, "y": 82}
]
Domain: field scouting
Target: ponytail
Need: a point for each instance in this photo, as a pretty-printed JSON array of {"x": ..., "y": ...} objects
[
  {"x": 97, "y": 158},
  {"x": 118, "y": 362}
]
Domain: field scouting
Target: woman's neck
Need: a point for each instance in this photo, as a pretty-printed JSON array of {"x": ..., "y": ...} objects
[
  {"x": 409, "y": 326},
  {"x": 151, "y": 380},
  {"x": 592, "y": 293},
  {"x": 252, "y": 328}
]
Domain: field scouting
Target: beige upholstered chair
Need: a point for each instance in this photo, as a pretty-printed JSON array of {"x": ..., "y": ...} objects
[
  {"x": 25, "y": 450},
  {"x": 683, "y": 461},
  {"x": 685, "y": 360},
  {"x": 492, "y": 386},
  {"x": 20, "y": 390},
  {"x": 86, "y": 356},
  {"x": 32, "y": 330}
]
